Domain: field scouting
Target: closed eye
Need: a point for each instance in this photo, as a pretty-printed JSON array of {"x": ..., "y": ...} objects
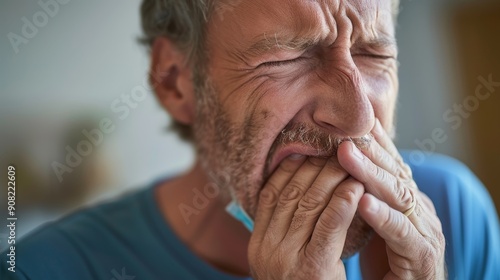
[
  {"x": 280, "y": 63},
  {"x": 376, "y": 56}
]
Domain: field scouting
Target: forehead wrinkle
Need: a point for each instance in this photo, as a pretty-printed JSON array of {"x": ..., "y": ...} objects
[
  {"x": 358, "y": 27},
  {"x": 295, "y": 25},
  {"x": 330, "y": 20},
  {"x": 368, "y": 26}
]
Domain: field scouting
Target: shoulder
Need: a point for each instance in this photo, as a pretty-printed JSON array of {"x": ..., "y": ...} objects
[
  {"x": 467, "y": 213},
  {"x": 452, "y": 186},
  {"x": 439, "y": 175},
  {"x": 77, "y": 245},
  {"x": 442, "y": 166}
]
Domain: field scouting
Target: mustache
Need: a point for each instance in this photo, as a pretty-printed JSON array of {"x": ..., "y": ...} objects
[
  {"x": 315, "y": 137},
  {"x": 325, "y": 144}
]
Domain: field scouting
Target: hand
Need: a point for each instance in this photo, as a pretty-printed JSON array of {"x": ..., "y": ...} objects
[
  {"x": 414, "y": 243},
  {"x": 301, "y": 222}
]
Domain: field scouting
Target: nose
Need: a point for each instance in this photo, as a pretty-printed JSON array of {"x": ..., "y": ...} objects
[{"x": 342, "y": 105}]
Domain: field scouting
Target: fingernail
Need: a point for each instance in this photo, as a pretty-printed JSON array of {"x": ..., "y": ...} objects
[
  {"x": 356, "y": 152},
  {"x": 295, "y": 156}
]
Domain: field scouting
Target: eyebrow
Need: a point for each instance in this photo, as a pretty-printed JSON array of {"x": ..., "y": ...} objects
[{"x": 277, "y": 42}]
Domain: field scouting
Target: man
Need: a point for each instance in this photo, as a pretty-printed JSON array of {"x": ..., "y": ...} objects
[{"x": 290, "y": 105}]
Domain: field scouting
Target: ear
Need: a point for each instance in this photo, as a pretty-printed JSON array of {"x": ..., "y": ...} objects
[{"x": 171, "y": 79}]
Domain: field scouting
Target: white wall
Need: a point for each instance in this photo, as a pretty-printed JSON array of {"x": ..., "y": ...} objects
[{"x": 76, "y": 65}]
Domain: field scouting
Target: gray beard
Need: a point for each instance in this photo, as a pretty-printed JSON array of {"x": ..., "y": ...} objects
[{"x": 227, "y": 151}]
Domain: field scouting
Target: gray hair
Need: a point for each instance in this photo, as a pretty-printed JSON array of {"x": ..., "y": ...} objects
[{"x": 183, "y": 22}]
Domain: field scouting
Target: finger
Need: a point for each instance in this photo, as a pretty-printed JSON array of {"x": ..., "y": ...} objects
[
  {"x": 424, "y": 217},
  {"x": 268, "y": 196},
  {"x": 398, "y": 167},
  {"x": 415, "y": 243},
  {"x": 394, "y": 227},
  {"x": 290, "y": 197},
  {"x": 330, "y": 232},
  {"x": 384, "y": 140},
  {"x": 381, "y": 157},
  {"x": 427, "y": 202},
  {"x": 314, "y": 201},
  {"x": 424, "y": 222},
  {"x": 376, "y": 180}
]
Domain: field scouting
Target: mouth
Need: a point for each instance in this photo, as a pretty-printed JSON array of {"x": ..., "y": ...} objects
[
  {"x": 279, "y": 153},
  {"x": 283, "y": 152}
]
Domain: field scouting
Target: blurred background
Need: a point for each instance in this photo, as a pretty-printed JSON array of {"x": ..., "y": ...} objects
[{"x": 76, "y": 74}]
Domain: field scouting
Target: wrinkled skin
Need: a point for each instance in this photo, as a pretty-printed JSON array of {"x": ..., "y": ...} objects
[
  {"x": 346, "y": 76},
  {"x": 329, "y": 68}
]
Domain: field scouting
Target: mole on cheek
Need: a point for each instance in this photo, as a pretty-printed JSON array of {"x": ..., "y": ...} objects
[{"x": 265, "y": 114}]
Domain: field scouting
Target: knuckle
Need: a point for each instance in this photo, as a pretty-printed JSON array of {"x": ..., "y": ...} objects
[
  {"x": 313, "y": 262},
  {"x": 402, "y": 175},
  {"x": 338, "y": 216},
  {"x": 268, "y": 196},
  {"x": 334, "y": 218},
  {"x": 403, "y": 195},
  {"x": 407, "y": 169},
  {"x": 320, "y": 246},
  {"x": 349, "y": 191},
  {"x": 291, "y": 192},
  {"x": 317, "y": 245},
  {"x": 378, "y": 172},
  {"x": 313, "y": 200}
]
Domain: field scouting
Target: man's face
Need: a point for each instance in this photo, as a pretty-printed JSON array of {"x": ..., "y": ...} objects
[{"x": 291, "y": 76}]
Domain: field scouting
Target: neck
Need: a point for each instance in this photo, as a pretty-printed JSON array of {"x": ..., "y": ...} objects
[{"x": 201, "y": 222}]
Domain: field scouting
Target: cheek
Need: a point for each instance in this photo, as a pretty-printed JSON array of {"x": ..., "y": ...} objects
[
  {"x": 382, "y": 90},
  {"x": 268, "y": 101}
]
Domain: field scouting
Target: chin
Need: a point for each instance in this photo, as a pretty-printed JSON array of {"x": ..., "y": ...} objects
[{"x": 358, "y": 236}]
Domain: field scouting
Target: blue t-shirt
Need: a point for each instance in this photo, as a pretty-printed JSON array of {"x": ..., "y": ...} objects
[{"x": 129, "y": 239}]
